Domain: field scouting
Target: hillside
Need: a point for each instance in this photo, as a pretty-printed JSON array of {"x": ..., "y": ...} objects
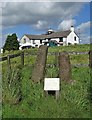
[{"x": 24, "y": 99}]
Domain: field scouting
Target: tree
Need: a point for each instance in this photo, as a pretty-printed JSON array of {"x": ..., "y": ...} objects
[{"x": 11, "y": 42}]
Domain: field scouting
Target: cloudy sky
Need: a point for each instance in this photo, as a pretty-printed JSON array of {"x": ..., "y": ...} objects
[{"x": 37, "y": 17}]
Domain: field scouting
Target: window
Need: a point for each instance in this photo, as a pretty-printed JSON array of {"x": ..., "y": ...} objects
[
  {"x": 24, "y": 40},
  {"x": 33, "y": 41},
  {"x": 75, "y": 38},
  {"x": 36, "y": 45},
  {"x": 40, "y": 41},
  {"x": 61, "y": 39}
]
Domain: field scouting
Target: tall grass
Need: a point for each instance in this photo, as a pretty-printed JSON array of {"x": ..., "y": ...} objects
[{"x": 74, "y": 101}]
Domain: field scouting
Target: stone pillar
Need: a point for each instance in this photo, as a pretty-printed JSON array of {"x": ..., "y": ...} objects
[
  {"x": 64, "y": 67},
  {"x": 39, "y": 68}
]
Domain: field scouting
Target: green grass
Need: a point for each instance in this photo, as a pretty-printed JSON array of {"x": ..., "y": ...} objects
[
  {"x": 31, "y": 50},
  {"x": 72, "y": 48},
  {"x": 74, "y": 59},
  {"x": 73, "y": 102},
  {"x": 74, "y": 98},
  {"x": 79, "y": 59}
]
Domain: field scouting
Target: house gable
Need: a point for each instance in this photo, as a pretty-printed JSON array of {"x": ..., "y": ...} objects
[
  {"x": 72, "y": 38},
  {"x": 24, "y": 39}
]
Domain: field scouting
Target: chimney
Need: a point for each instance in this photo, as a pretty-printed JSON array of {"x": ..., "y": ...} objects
[
  {"x": 72, "y": 29},
  {"x": 50, "y": 31}
]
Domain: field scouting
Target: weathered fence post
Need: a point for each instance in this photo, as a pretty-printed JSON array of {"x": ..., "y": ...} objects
[
  {"x": 56, "y": 59},
  {"x": 39, "y": 68},
  {"x": 8, "y": 62},
  {"x": 64, "y": 67},
  {"x": 22, "y": 58},
  {"x": 90, "y": 58},
  {"x": 57, "y": 94}
]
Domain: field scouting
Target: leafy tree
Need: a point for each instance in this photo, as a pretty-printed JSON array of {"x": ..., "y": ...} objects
[{"x": 11, "y": 43}]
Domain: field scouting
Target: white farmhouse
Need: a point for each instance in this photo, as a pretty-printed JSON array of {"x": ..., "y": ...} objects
[{"x": 52, "y": 38}]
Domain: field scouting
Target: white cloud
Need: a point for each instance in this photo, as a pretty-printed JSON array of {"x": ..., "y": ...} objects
[
  {"x": 31, "y": 13},
  {"x": 66, "y": 24},
  {"x": 84, "y": 27},
  {"x": 83, "y": 30},
  {"x": 41, "y": 25},
  {"x": 85, "y": 39},
  {"x": 42, "y": 15}
]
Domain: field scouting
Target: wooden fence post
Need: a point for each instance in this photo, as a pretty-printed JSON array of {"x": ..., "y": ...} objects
[
  {"x": 8, "y": 62},
  {"x": 57, "y": 94},
  {"x": 56, "y": 59},
  {"x": 22, "y": 58}
]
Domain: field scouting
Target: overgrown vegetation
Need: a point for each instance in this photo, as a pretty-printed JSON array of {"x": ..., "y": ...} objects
[{"x": 24, "y": 99}]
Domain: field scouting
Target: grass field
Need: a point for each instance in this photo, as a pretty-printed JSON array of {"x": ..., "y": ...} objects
[{"x": 74, "y": 98}]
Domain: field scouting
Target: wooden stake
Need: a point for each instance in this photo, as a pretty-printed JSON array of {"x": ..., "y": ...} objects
[
  {"x": 22, "y": 58},
  {"x": 8, "y": 62},
  {"x": 57, "y": 94}
]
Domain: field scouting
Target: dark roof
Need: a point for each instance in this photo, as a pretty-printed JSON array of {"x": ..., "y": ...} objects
[
  {"x": 59, "y": 34},
  {"x": 41, "y": 37},
  {"x": 52, "y": 35}
]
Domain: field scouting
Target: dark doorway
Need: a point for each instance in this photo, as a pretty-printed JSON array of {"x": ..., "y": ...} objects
[{"x": 52, "y": 43}]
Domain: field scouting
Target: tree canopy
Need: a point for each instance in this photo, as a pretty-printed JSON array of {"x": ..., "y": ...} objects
[{"x": 11, "y": 42}]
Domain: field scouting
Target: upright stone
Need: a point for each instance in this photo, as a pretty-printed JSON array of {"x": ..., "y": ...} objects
[
  {"x": 39, "y": 68},
  {"x": 64, "y": 67}
]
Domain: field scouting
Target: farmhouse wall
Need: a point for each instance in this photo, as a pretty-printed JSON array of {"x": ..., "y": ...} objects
[
  {"x": 70, "y": 38},
  {"x": 26, "y": 38}
]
